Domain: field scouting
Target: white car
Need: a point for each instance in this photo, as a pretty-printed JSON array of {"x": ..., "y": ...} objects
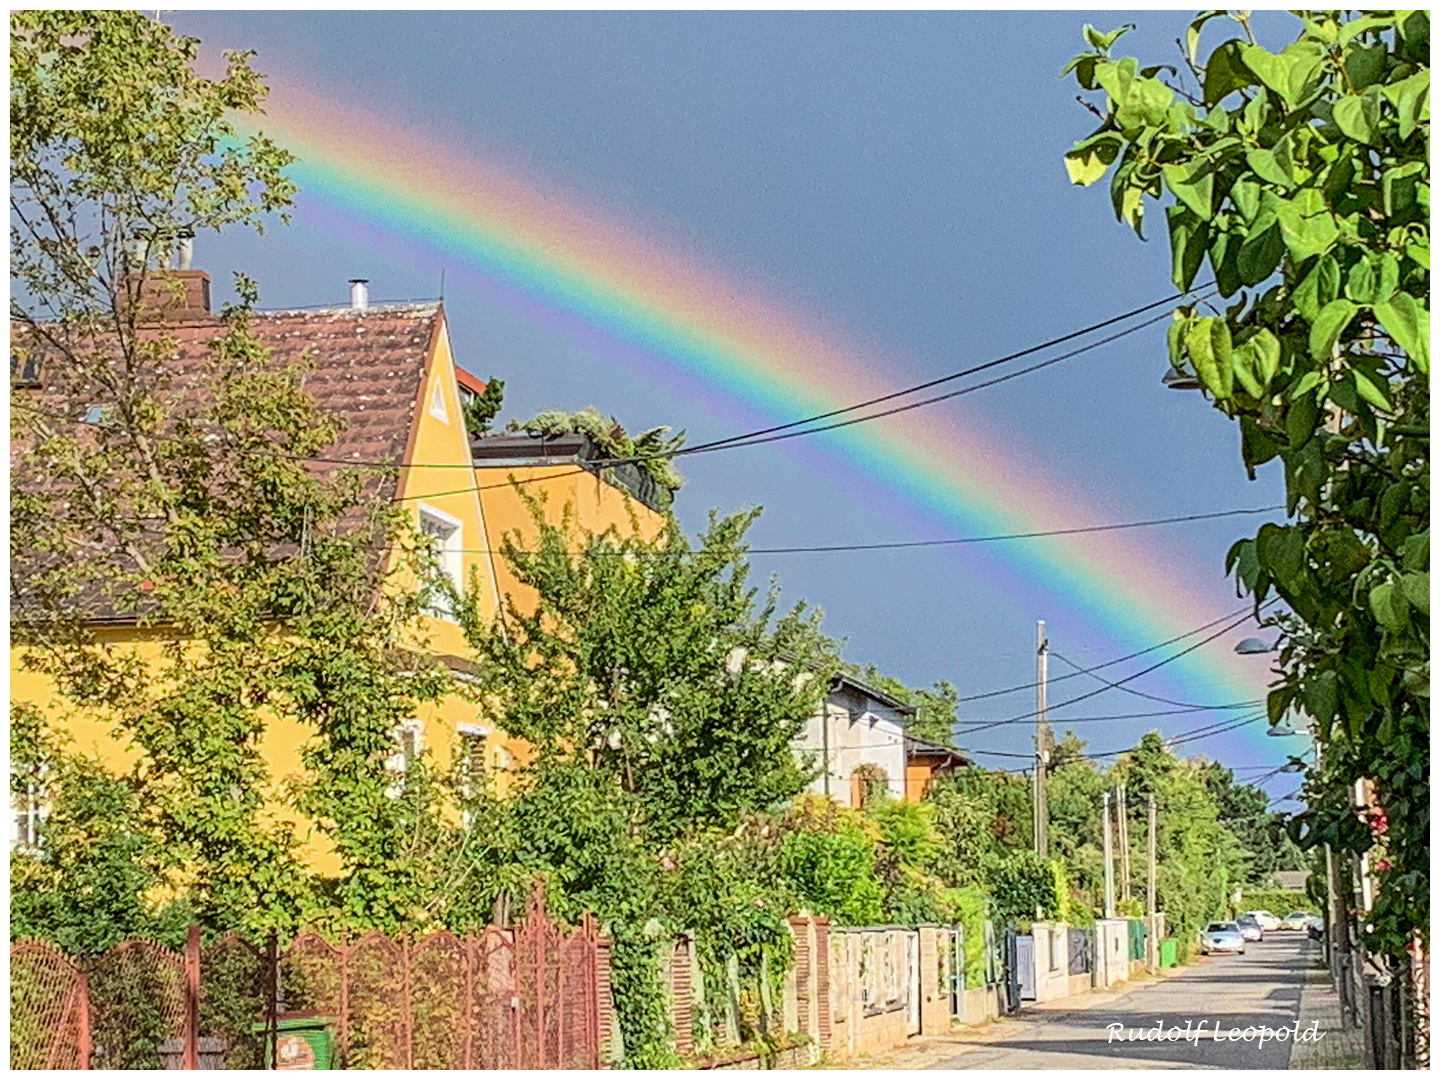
[
  {"x": 1222, "y": 937},
  {"x": 1296, "y": 920},
  {"x": 1267, "y": 921}
]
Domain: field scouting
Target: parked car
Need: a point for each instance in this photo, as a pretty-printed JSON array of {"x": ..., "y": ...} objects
[
  {"x": 1250, "y": 928},
  {"x": 1222, "y": 937},
  {"x": 1266, "y": 920},
  {"x": 1296, "y": 920}
]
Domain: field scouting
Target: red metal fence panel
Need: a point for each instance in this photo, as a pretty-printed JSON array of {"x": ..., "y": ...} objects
[{"x": 535, "y": 997}]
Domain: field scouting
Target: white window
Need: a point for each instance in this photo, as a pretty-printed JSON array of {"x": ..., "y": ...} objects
[
  {"x": 27, "y": 812},
  {"x": 471, "y": 747},
  {"x": 409, "y": 743},
  {"x": 437, "y": 403},
  {"x": 447, "y": 539}
]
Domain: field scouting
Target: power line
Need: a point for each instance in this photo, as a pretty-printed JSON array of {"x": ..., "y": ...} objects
[
  {"x": 1129, "y": 678},
  {"x": 1108, "y": 663},
  {"x": 943, "y": 379},
  {"x": 895, "y": 545},
  {"x": 1150, "y": 697},
  {"x": 1178, "y": 740}
]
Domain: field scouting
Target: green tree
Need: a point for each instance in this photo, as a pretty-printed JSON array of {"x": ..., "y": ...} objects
[
  {"x": 937, "y": 710},
  {"x": 1302, "y": 176},
  {"x": 188, "y": 507}
]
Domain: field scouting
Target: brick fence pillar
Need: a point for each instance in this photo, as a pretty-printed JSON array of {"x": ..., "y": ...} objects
[
  {"x": 682, "y": 998},
  {"x": 821, "y": 928},
  {"x": 934, "y": 1003}
]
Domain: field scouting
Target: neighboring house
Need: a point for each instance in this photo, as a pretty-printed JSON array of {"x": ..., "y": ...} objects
[
  {"x": 561, "y": 471},
  {"x": 858, "y": 742},
  {"x": 388, "y": 372}
]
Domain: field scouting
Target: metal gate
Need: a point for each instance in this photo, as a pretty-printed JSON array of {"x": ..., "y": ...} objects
[
  {"x": 1025, "y": 965},
  {"x": 1081, "y": 948},
  {"x": 1010, "y": 968}
]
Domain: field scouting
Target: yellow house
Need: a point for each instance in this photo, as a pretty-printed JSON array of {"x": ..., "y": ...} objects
[
  {"x": 564, "y": 472},
  {"x": 389, "y": 372}
]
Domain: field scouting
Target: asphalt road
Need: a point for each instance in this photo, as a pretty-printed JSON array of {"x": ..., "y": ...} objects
[{"x": 1259, "y": 989}]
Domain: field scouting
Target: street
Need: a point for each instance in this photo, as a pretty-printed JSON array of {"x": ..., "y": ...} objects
[{"x": 1261, "y": 988}]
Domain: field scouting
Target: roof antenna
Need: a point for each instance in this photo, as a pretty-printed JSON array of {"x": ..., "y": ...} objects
[{"x": 442, "y": 284}]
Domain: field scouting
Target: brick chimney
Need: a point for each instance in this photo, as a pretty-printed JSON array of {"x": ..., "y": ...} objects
[
  {"x": 171, "y": 296},
  {"x": 167, "y": 295}
]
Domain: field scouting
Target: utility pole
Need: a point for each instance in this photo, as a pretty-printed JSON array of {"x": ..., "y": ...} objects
[
  {"x": 1109, "y": 864},
  {"x": 1153, "y": 951},
  {"x": 1042, "y": 752},
  {"x": 1124, "y": 819}
]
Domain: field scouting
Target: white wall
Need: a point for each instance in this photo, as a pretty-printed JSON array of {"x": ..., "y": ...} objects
[{"x": 861, "y": 731}]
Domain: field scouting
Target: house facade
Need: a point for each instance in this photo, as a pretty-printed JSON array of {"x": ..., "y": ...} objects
[{"x": 860, "y": 745}]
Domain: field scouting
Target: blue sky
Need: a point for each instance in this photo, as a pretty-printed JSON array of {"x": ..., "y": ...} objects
[{"x": 899, "y": 177}]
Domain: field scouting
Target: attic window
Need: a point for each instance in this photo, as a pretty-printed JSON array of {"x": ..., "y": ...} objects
[{"x": 437, "y": 403}]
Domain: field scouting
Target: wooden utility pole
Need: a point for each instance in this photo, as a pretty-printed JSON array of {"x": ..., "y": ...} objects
[
  {"x": 1109, "y": 864},
  {"x": 1124, "y": 821},
  {"x": 1153, "y": 950},
  {"x": 1042, "y": 752}
]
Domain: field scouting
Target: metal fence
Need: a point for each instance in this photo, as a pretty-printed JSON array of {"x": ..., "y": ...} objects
[
  {"x": 530, "y": 997},
  {"x": 1081, "y": 948}
]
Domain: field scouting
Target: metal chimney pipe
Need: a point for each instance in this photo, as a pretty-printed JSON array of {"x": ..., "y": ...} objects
[
  {"x": 360, "y": 294},
  {"x": 186, "y": 251}
]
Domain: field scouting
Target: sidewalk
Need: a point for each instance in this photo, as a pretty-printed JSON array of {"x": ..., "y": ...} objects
[
  {"x": 928, "y": 1051},
  {"x": 1340, "y": 1047}
]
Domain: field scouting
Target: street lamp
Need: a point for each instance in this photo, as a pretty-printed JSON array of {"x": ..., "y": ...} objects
[
  {"x": 1250, "y": 646},
  {"x": 1176, "y": 379},
  {"x": 1281, "y": 730}
]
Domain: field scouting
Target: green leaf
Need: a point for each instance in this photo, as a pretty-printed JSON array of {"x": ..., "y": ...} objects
[
  {"x": 1391, "y": 609},
  {"x": 1208, "y": 343},
  {"x": 1225, "y": 72},
  {"x": 1282, "y": 552},
  {"x": 1322, "y": 696},
  {"x": 1271, "y": 69},
  {"x": 1267, "y": 355},
  {"x": 1188, "y": 237},
  {"x": 1244, "y": 363},
  {"x": 1360, "y": 284},
  {"x": 1370, "y": 390},
  {"x": 1328, "y": 327},
  {"x": 1364, "y": 66},
  {"x": 1300, "y": 419},
  {"x": 1115, "y": 78},
  {"x": 1307, "y": 224},
  {"x": 1359, "y": 118},
  {"x": 1192, "y": 32},
  {"x": 1417, "y": 591},
  {"x": 1273, "y": 165},
  {"x": 1261, "y": 251},
  {"x": 1408, "y": 325},
  {"x": 1103, "y": 42},
  {"x": 1193, "y": 185},
  {"x": 1317, "y": 288},
  {"x": 1411, "y": 98},
  {"x": 1090, "y": 159},
  {"x": 1146, "y": 105},
  {"x": 1246, "y": 197}
]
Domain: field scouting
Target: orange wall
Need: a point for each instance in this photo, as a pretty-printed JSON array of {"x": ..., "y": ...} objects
[{"x": 594, "y": 504}]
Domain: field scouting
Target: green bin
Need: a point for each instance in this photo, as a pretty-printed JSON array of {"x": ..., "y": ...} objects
[
  {"x": 1167, "y": 952},
  {"x": 304, "y": 1042}
]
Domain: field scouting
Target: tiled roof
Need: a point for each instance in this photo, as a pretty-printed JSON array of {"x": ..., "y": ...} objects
[{"x": 367, "y": 369}]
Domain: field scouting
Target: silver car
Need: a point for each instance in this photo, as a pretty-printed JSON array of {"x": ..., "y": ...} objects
[
  {"x": 1222, "y": 937},
  {"x": 1250, "y": 929}
]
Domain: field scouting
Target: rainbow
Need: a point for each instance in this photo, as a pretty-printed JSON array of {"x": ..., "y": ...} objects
[{"x": 581, "y": 263}]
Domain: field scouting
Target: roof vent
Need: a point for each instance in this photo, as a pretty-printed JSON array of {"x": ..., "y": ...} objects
[{"x": 360, "y": 294}]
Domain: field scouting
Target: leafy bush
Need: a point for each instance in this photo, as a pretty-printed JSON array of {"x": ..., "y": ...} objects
[
  {"x": 1023, "y": 885},
  {"x": 1279, "y": 902},
  {"x": 830, "y": 864}
]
